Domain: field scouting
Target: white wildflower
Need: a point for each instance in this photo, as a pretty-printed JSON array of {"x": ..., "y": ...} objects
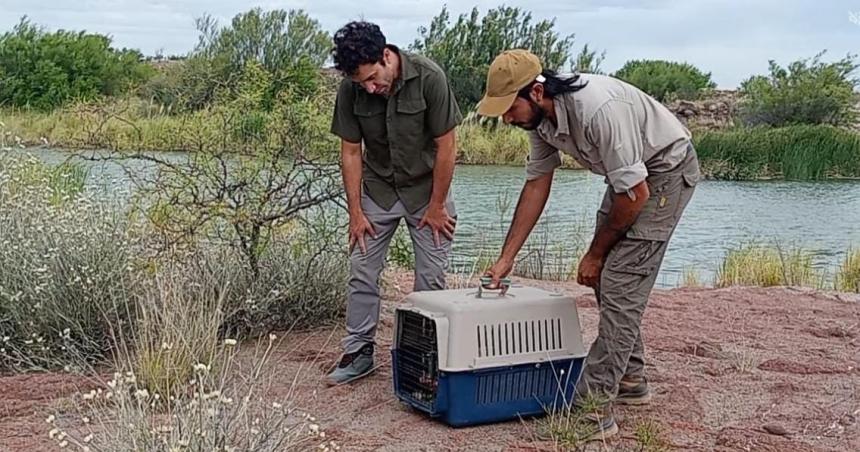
[
  {"x": 88, "y": 438},
  {"x": 50, "y": 419}
]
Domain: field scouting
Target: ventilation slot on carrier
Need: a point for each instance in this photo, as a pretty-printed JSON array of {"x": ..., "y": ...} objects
[
  {"x": 524, "y": 384},
  {"x": 516, "y": 338}
]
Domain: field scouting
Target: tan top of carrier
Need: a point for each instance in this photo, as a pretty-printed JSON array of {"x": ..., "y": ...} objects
[{"x": 480, "y": 330}]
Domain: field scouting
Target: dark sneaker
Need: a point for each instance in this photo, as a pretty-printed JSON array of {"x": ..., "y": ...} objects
[
  {"x": 633, "y": 392},
  {"x": 352, "y": 366}
]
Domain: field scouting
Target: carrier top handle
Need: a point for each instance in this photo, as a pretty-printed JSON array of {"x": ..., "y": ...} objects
[{"x": 504, "y": 285}]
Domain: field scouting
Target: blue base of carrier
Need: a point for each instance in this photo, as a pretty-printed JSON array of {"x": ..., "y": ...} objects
[{"x": 495, "y": 394}]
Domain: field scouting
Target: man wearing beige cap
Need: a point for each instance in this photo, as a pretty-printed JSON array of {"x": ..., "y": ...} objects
[{"x": 613, "y": 129}]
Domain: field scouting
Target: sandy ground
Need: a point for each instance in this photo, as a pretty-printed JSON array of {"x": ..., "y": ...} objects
[{"x": 733, "y": 369}]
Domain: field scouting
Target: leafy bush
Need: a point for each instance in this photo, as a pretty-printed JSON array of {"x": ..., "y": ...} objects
[
  {"x": 666, "y": 80},
  {"x": 806, "y": 92},
  {"x": 76, "y": 271},
  {"x": 45, "y": 70},
  {"x": 64, "y": 267}
]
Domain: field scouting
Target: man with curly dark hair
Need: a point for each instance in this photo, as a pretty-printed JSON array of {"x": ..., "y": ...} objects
[{"x": 399, "y": 108}]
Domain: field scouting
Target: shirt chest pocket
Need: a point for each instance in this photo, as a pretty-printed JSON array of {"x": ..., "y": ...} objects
[
  {"x": 410, "y": 119},
  {"x": 371, "y": 120}
]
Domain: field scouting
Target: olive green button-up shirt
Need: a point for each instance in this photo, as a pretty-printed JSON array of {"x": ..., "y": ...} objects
[{"x": 398, "y": 131}]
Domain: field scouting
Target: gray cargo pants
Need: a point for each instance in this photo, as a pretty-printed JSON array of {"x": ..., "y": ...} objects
[
  {"x": 628, "y": 276},
  {"x": 431, "y": 265}
]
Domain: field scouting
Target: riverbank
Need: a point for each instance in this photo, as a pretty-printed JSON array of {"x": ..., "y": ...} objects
[
  {"x": 727, "y": 153},
  {"x": 735, "y": 368}
]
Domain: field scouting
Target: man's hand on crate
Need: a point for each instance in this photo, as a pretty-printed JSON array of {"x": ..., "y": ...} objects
[{"x": 492, "y": 278}]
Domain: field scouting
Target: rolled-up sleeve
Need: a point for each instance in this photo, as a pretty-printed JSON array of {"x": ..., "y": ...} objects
[
  {"x": 615, "y": 132},
  {"x": 543, "y": 158}
]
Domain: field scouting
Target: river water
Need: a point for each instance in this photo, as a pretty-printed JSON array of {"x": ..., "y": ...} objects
[{"x": 822, "y": 217}]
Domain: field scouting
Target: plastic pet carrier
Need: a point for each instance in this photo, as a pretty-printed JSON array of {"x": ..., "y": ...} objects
[{"x": 471, "y": 356}]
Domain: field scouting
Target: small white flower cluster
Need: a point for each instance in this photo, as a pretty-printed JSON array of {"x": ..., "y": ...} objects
[
  {"x": 314, "y": 429},
  {"x": 63, "y": 439}
]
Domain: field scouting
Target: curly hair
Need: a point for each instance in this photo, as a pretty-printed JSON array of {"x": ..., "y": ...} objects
[{"x": 357, "y": 43}]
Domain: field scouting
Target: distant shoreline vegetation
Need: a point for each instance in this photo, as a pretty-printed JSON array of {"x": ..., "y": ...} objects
[{"x": 240, "y": 89}]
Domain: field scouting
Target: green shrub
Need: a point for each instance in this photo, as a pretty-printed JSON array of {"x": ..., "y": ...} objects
[
  {"x": 45, "y": 70},
  {"x": 76, "y": 271},
  {"x": 806, "y": 92},
  {"x": 64, "y": 268},
  {"x": 666, "y": 80}
]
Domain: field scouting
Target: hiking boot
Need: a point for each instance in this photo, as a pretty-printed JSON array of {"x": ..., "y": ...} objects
[
  {"x": 599, "y": 426},
  {"x": 582, "y": 428},
  {"x": 633, "y": 392},
  {"x": 352, "y": 366}
]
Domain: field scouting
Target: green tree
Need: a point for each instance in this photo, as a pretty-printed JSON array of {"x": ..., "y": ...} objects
[
  {"x": 808, "y": 91},
  {"x": 288, "y": 46},
  {"x": 588, "y": 61},
  {"x": 45, "y": 70},
  {"x": 665, "y": 80},
  {"x": 466, "y": 48},
  {"x": 276, "y": 39}
]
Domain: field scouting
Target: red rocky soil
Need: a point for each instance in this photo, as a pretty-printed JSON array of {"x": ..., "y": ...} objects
[{"x": 733, "y": 369}]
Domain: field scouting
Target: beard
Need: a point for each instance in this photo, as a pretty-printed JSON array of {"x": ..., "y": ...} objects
[{"x": 537, "y": 116}]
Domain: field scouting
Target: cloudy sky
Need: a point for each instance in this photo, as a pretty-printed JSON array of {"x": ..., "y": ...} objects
[{"x": 729, "y": 38}]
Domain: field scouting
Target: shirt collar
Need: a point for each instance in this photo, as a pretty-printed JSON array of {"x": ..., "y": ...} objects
[
  {"x": 407, "y": 66},
  {"x": 546, "y": 127}
]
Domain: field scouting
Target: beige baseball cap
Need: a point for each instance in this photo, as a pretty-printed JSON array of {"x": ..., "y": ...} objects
[{"x": 510, "y": 72}]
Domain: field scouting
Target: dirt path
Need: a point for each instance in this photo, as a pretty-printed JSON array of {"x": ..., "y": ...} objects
[{"x": 733, "y": 369}]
